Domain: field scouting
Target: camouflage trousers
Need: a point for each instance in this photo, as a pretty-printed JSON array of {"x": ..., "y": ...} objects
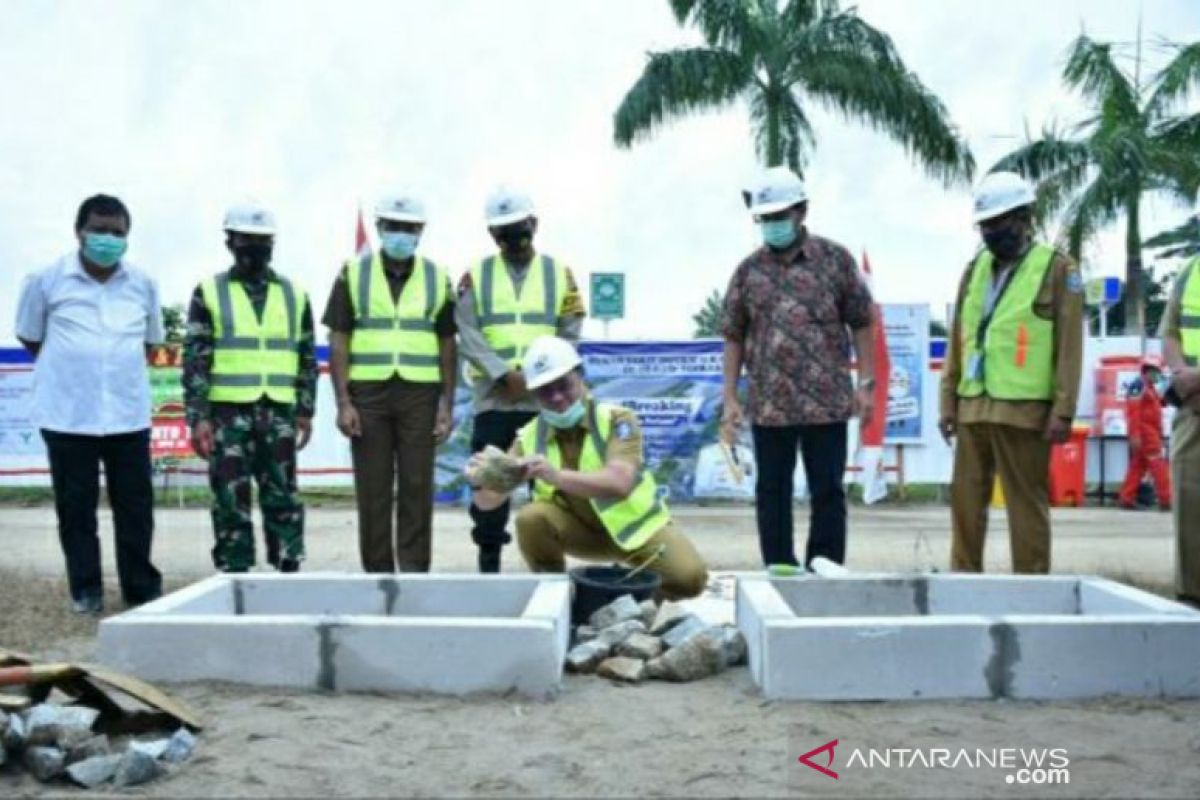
[{"x": 254, "y": 443}]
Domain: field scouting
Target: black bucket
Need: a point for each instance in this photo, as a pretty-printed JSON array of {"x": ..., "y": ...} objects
[{"x": 596, "y": 587}]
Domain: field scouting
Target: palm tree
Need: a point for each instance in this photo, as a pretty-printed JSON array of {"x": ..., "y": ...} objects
[
  {"x": 708, "y": 319},
  {"x": 778, "y": 56},
  {"x": 1135, "y": 142},
  {"x": 1181, "y": 242}
]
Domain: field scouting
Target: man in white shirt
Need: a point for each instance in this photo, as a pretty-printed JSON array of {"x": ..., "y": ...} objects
[{"x": 87, "y": 320}]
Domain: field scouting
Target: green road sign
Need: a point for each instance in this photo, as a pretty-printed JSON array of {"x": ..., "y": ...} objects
[{"x": 608, "y": 295}]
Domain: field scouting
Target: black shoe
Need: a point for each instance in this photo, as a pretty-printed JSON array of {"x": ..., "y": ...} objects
[
  {"x": 289, "y": 565},
  {"x": 88, "y": 604},
  {"x": 489, "y": 560}
]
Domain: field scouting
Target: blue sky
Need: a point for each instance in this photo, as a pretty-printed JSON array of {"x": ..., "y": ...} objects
[{"x": 184, "y": 107}]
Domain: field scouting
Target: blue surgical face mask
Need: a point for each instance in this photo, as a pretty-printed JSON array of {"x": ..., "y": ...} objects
[
  {"x": 778, "y": 233},
  {"x": 103, "y": 249},
  {"x": 565, "y": 419},
  {"x": 399, "y": 245}
]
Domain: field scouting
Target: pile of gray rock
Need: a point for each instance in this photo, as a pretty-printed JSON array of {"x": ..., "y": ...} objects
[
  {"x": 630, "y": 642},
  {"x": 56, "y": 742}
]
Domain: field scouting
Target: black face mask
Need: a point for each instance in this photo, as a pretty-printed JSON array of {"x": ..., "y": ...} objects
[
  {"x": 253, "y": 256},
  {"x": 514, "y": 238},
  {"x": 1005, "y": 243}
]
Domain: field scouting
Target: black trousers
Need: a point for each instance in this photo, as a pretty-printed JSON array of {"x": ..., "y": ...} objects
[
  {"x": 499, "y": 429},
  {"x": 75, "y": 471},
  {"x": 823, "y": 449}
]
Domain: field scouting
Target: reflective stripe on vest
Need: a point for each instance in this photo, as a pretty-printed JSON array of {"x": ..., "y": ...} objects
[
  {"x": 629, "y": 521},
  {"x": 1018, "y": 345},
  {"x": 253, "y": 357},
  {"x": 1189, "y": 314},
  {"x": 395, "y": 337},
  {"x": 510, "y": 322}
]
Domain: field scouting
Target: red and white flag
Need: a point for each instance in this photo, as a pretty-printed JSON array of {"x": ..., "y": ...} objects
[
  {"x": 871, "y": 475},
  {"x": 362, "y": 243}
]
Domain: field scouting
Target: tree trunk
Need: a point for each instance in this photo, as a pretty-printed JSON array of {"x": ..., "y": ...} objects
[
  {"x": 1135, "y": 318},
  {"x": 774, "y": 146}
]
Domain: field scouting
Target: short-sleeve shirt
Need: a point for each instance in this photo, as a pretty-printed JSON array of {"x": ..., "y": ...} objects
[
  {"x": 624, "y": 445},
  {"x": 793, "y": 320},
  {"x": 91, "y": 376}
]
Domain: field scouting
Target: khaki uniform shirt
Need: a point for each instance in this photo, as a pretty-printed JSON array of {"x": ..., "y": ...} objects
[
  {"x": 624, "y": 446},
  {"x": 1060, "y": 299}
]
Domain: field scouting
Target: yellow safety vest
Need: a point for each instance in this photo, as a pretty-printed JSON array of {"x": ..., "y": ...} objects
[
  {"x": 1018, "y": 345},
  {"x": 509, "y": 322},
  {"x": 631, "y": 521},
  {"x": 395, "y": 337},
  {"x": 253, "y": 357},
  {"x": 1189, "y": 314}
]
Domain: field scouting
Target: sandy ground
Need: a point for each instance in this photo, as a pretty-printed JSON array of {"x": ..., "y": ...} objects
[{"x": 713, "y": 738}]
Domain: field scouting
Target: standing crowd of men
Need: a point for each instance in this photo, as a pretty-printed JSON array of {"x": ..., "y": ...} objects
[{"x": 793, "y": 310}]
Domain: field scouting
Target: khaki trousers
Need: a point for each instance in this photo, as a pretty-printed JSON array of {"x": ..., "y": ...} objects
[
  {"x": 1022, "y": 458},
  {"x": 393, "y": 470},
  {"x": 1185, "y": 475},
  {"x": 547, "y": 532}
]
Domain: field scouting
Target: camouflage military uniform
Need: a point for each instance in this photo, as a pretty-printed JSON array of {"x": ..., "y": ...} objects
[{"x": 252, "y": 442}]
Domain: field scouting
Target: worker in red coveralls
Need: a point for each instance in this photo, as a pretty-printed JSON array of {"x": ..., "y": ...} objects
[{"x": 1143, "y": 414}]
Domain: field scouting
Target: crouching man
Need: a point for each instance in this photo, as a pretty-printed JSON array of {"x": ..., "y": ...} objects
[{"x": 592, "y": 497}]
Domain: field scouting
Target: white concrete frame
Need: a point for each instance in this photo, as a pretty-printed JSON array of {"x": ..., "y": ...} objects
[
  {"x": 448, "y": 634},
  {"x": 893, "y": 637}
]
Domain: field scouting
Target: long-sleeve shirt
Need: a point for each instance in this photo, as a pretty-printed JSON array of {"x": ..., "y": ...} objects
[
  {"x": 198, "y": 346},
  {"x": 1060, "y": 299},
  {"x": 483, "y": 358}
]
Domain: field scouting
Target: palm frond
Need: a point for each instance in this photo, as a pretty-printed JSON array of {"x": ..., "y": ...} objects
[
  {"x": 1096, "y": 206},
  {"x": 676, "y": 83},
  {"x": 800, "y": 14},
  {"x": 854, "y": 69},
  {"x": 1091, "y": 69},
  {"x": 1175, "y": 82},
  {"x": 795, "y": 136},
  {"x": 1178, "y": 242},
  {"x": 732, "y": 24}
]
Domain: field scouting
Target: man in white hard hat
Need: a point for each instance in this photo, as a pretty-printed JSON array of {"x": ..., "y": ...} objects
[
  {"x": 507, "y": 300},
  {"x": 1180, "y": 331},
  {"x": 1011, "y": 376},
  {"x": 250, "y": 389},
  {"x": 593, "y": 497},
  {"x": 392, "y": 359},
  {"x": 791, "y": 311}
]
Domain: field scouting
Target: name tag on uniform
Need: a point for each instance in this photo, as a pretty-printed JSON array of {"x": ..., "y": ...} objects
[{"x": 975, "y": 367}]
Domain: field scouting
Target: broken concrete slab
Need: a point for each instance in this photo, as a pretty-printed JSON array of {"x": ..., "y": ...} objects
[
  {"x": 684, "y": 630},
  {"x": 697, "y": 657},
  {"x": 15, "y": 736},
  {"x": 733, "y": 645},
  {"x": 585, "y": 633},
  {"x": 669, "y": 615},
  {"x": 649, "y": 612},
  {"x": 618, "y": 611},
  {"x": 94, "y": 771},
  {"x": 43, "y": 763},
  {"x": 136, "y": 767},
  {"x": 621, "y": 668},
  {"x": 180, "y": 747},
  {"x": 584, "y": 658},
  {"x": 151, "y": 747},
  {"x": 641, "y": 645},
  {"x": 82, "y": 750},
  {"x": 48, "y": 722},
  {"x": 614, "y": 635}
]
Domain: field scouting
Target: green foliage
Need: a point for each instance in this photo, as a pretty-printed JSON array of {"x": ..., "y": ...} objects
[
  {"x": 1134, "y": 142},
  {"x": 174, "y": 323},
  {"x": 708, "y": 319},
  {"x": 776, "y": 57}
]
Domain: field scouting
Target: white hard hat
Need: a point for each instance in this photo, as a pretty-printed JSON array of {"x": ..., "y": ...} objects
[
  {"x": 548, "y": 359},
  {"x": 1001, "y": 192},
  {"x": 250, "y": 217},
  {"x": 403, "y": 206},
  {"x": 506, "y": 205},
  {"x": 776, "y": 189}
]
